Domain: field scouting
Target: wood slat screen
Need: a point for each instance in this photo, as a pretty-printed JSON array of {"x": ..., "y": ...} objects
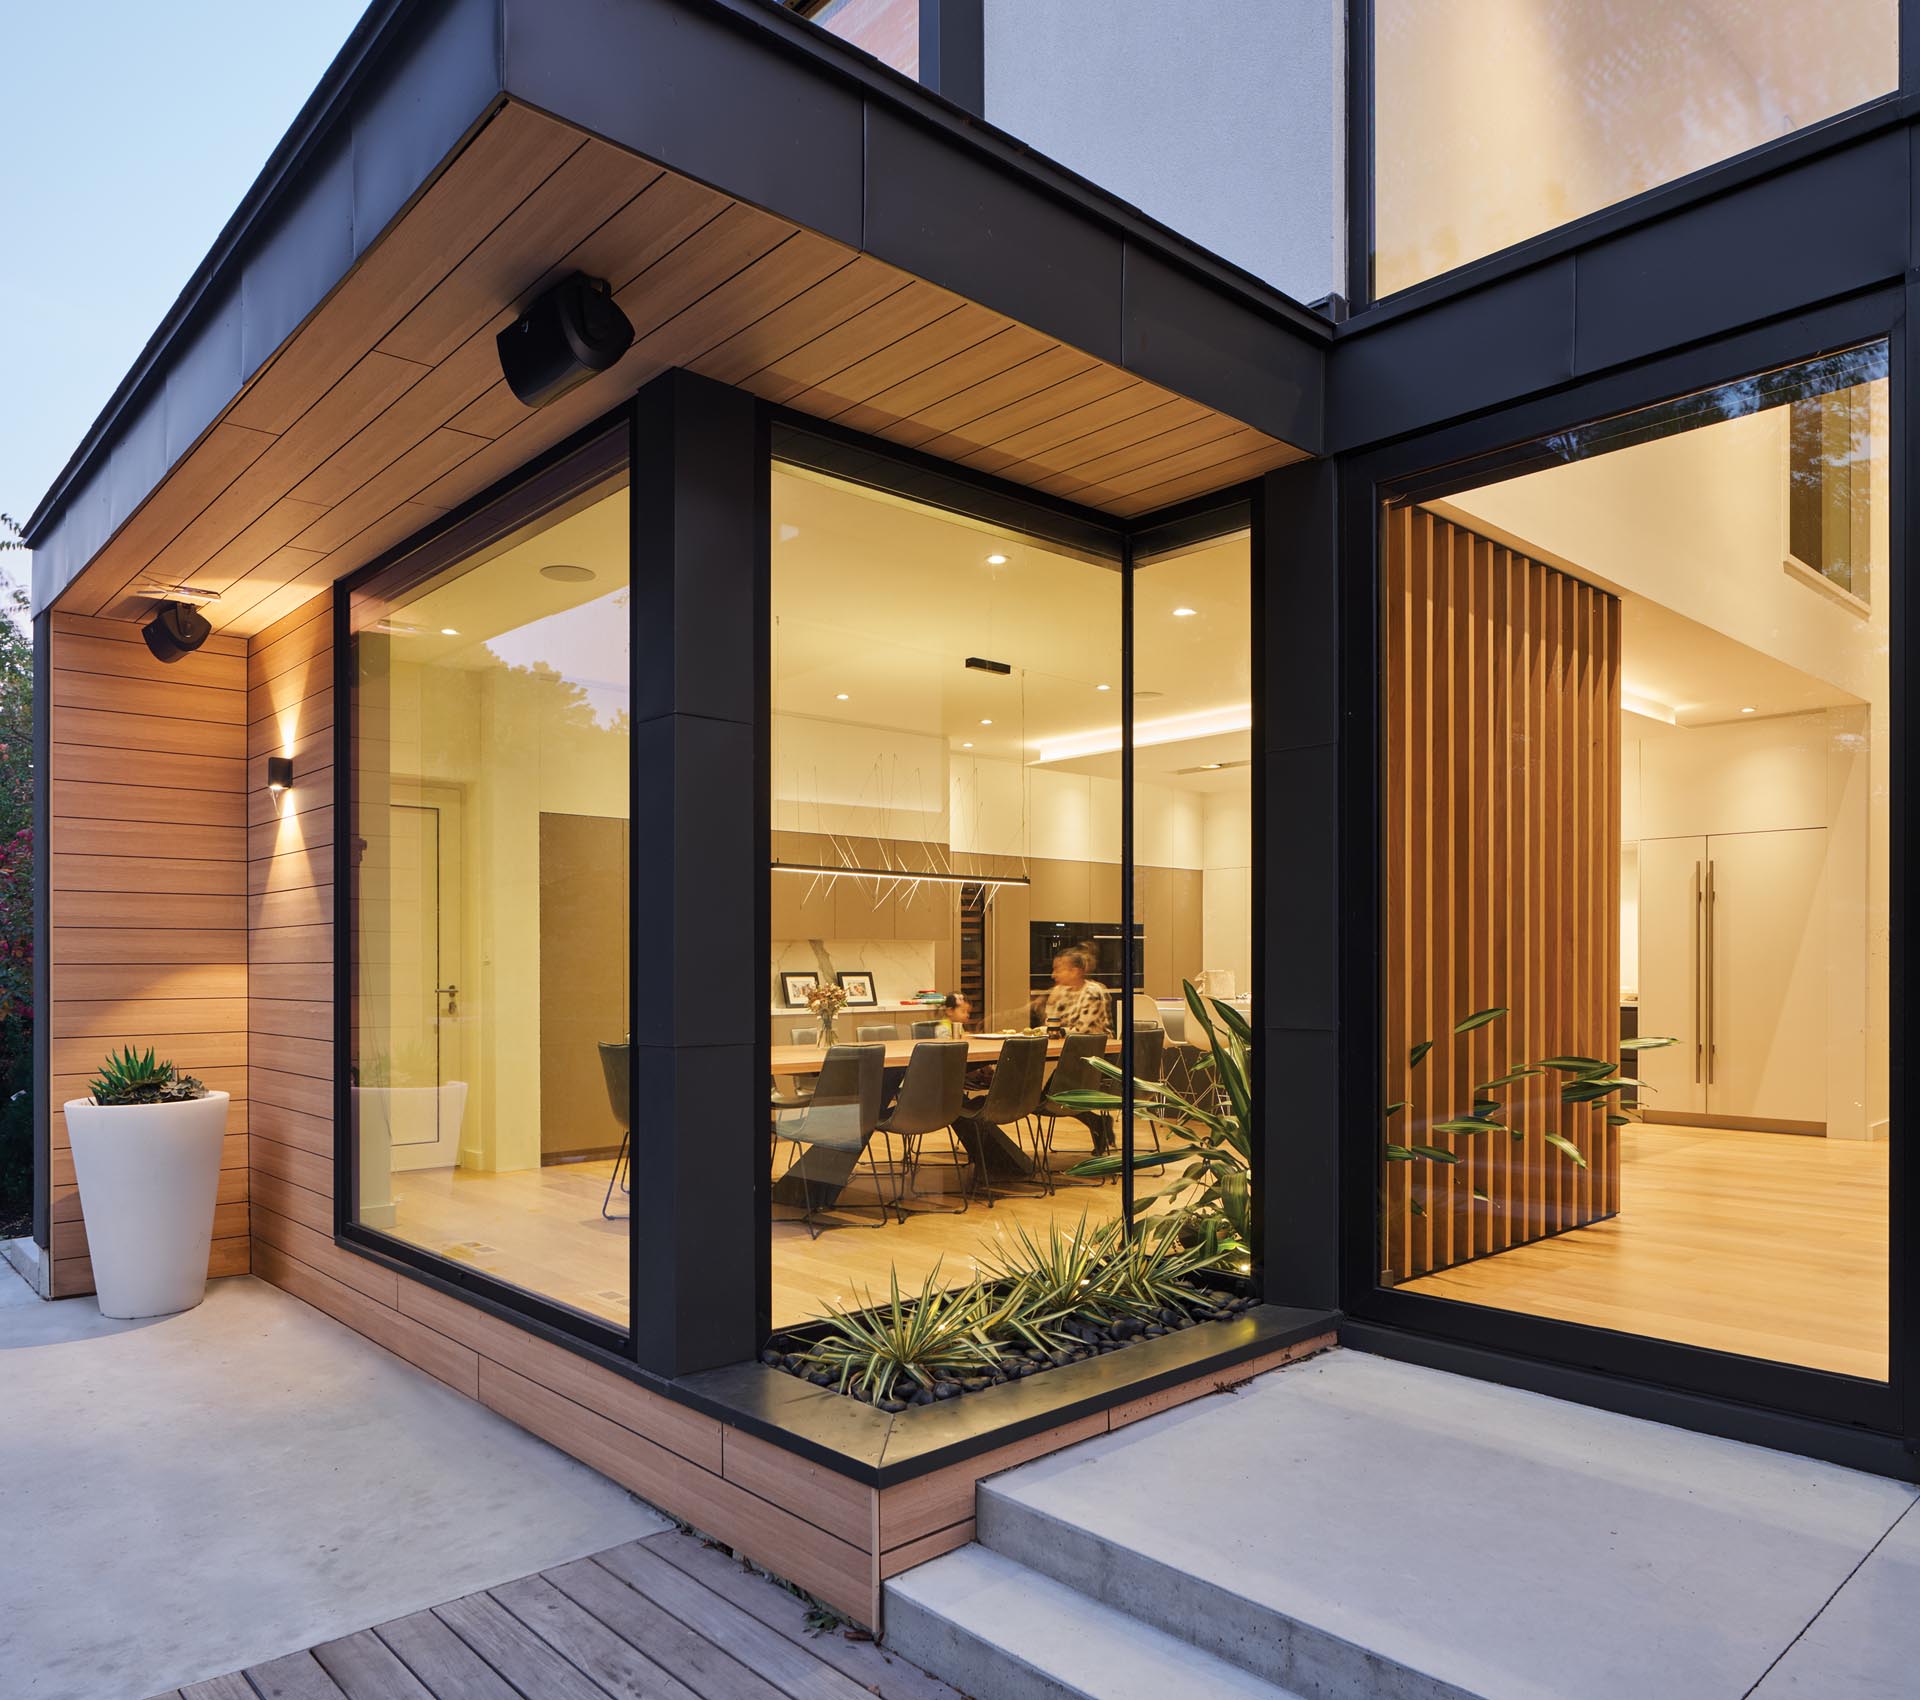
[
  {"x": 147, "y": 893},
  {"x": 1502, "y": 869}
]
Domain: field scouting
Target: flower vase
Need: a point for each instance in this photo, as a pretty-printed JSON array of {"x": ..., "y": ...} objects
[{"x": 828, "y": 1038}]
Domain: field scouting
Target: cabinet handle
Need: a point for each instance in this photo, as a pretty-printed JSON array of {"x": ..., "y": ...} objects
[
  {"x": 1710, "y": 1045},
  {"x": 1699, "y": 1019}
]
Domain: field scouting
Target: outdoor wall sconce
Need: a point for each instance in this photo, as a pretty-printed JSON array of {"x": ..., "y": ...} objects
[
  {"x": 279, "y": 774},
  {"x": 176, "y": 629}
]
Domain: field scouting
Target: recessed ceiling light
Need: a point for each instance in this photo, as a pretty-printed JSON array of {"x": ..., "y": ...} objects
[
  {"x": 448, "y": 631},
  {"x": 1184, "y": 613},
  {"x": 840, "y": 697},
  {"x": 966, "y": 746},
  {"x": 1211, "y": 766},
  {"x": 566, "y": 573},
  {"x": 1746, "y": 711},
  {"x": 1103, "y": 687},
  {"x": 996, "y": 560},
  {"x": 986, "y": 723}
]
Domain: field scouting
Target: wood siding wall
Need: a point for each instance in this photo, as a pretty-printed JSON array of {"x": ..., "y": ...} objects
[
  {"x": 147, "y": 893},
  {"x": 1502, "y": 819}
]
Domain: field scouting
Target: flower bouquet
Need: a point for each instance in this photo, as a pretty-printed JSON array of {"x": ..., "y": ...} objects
[{"x": 824, "y": 1002}]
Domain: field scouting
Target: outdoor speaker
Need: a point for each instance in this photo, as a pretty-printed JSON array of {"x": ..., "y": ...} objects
[
  {"x": 569, "y": 334},
  {"x": 176, "y": 629}
]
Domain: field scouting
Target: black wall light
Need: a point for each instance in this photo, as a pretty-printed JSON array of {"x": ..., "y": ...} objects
[
  {"x": 176, "y": 629},
  {"x": 572, "y": 332},
  {"x": 279, "y": 774}
]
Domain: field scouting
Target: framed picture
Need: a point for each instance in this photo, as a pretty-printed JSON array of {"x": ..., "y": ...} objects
[
  {"x": 794, "y": 988},
  {"x": 858, "y": 985}
]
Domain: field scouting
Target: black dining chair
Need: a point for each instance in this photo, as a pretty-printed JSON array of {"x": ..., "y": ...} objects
[
  {"x": 1149, "y": 1067},
  {"x": 830, "y": 1130},
  {"x": 924, "y": 1030},
  {"x": 869, "y": 1035},
  {"x": 1073, "y": 1073},
  {"x": 613, "y": 1064},
  {"x": 1011, "y": 1100},
  {"x": 932, "y": 1095}
]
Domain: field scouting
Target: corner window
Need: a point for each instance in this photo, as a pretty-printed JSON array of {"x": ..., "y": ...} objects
[
  {"x": 489, "y": 689},
  {"x": 1496, "y": 120}
]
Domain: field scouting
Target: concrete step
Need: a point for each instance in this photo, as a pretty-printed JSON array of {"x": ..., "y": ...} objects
[
  {"x": 1351, "y": 1527},
  {"x": 996, "y": 1629}
]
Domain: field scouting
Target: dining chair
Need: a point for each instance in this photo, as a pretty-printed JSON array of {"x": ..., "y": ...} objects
[
  {"x": 925, "y": 1030},
  {"x": 870, "y": 1034},
  {"x": 613, "y": 1064},
  {"x": 1072, "y": 1073},
  {"x": 1149, "y": 1061},
  {"x": 805, "y": 1036},
  {"x": 1012, "y": 1099},
  {"x": 840, "y": 1115},
  {"x": 932, "y": 1095}
]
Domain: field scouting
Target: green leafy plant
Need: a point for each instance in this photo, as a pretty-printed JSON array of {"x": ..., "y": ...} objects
[
  {"x": 1206, "y": 1150},
  {"x": 1588, "y": 1081},
  {"x": 1051, "y": 1280},
  {"x": 941, "y": 1332},
  {"x": 127, "y": 1077},
  {"x": 1152, "y": 1272}
]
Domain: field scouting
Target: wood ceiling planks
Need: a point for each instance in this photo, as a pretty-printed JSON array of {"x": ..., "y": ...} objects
[{"x": 387, "y": 407}]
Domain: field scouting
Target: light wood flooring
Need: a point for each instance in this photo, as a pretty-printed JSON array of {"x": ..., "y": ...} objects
[
  {"x": 1770, "y": 1245},
  {"x": 542, "y": 1229},
  {"x": 667, "y": 1617}
]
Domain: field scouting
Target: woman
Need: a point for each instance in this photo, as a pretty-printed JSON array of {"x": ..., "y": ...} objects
[{"x": 1078, "y": 1003}]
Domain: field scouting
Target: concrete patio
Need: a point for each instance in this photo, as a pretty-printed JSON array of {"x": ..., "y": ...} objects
[{"x": 187, "y": 1496}]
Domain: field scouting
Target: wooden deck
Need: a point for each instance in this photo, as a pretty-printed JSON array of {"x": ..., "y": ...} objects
[{"x": 667, "y": 1618}]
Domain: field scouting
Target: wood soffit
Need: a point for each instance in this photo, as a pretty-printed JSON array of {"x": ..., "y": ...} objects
[{"x": 386, "y": 407}]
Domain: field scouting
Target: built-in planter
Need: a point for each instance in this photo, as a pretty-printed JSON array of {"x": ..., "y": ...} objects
[{"x": 148, "y": 1176}]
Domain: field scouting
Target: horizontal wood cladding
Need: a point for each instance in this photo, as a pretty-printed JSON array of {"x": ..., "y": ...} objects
[
  {"x": 386, "y": 408},
  {"x": 1502, "y": 813},
  {"x": 147, "y": 936}
]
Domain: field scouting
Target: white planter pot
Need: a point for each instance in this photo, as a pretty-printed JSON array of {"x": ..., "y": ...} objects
[
  {"x": 148, "y": 1176},
  {"x": 406, "y": 1127}
]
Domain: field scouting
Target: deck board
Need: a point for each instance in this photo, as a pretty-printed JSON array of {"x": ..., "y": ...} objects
[{"x": 672, "y": 1617}]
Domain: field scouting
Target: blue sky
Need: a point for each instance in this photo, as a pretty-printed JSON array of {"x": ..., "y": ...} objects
[{"x": 128, "y": 133}]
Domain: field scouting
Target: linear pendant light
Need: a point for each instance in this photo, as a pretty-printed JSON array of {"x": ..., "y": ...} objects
[{"x": 898, "y": 874}]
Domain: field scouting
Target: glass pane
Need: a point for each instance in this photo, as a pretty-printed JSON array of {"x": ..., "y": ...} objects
[
  {"x": 888, "y": 29},
  {"x": 946, "y": 862},
  {"x": 1496, "y": 120},
  {"x": 1637, "y": 769},
  {"x": 1193, "y": 868},
  {"x": 490, "y": 974}
]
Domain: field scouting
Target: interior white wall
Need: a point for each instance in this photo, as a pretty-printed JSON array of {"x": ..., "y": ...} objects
[
  {"x": 1224, "y": 119},
  {"x": 1226, "y": 892}
]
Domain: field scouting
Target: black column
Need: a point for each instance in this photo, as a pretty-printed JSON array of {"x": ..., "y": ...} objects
[
  {"x": 700, "y": 828},
  {"x": 1297, "y": 897},
  {"x": 953, "y": 51}
]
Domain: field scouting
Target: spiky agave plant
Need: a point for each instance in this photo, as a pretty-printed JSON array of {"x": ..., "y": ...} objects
[
  {"x": 1045, "y": 1283},
  {"x": 870, "y": 1350},
  {"x": 1152, "y": 1271},
  {"x": 127, "y": 1077}
]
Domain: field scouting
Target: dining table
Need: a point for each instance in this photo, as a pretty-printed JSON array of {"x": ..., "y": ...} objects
[{"x": 826, "y": 1170}]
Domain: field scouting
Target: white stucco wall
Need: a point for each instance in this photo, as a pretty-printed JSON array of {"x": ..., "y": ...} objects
[{"x": 1222, "y": 118}]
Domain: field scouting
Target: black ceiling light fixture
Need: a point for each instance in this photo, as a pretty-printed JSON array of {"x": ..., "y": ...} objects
[
  {"x": 572, "y": 332},
  {"x": 176, "y": 629}
]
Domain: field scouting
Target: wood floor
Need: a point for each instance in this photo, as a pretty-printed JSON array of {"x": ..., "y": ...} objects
[
  {"x": 542, "y": 1229},
  {"x": 1770, "y": 1245},
  {"x": 667, "y": 1618}
]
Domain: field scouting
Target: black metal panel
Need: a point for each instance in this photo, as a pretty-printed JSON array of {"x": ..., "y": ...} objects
[
  {"x": 42, "y": 936},
  {"x": 950, "y": 216},
  {"x": 1301, "y": 867},
  {"x": 1297, "y": 566},
  {"x": 298, "y": 254},
  {"x": 204, "y": 376},
  {"x": 1837, "y": 223},
  {"x": 700, "y": 92},
  {"x": 953, "y": 51},
  {"x": 1299, "y": 1249},
  {"x": 138, "y": 462},
  {"x": 1903, "y": 933},
  {"x": 1181, "y": 330},
  {"x": 1465, "y": 353},
  {"x": 432, "y": 83}
]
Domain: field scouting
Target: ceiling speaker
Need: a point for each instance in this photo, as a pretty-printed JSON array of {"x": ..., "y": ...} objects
[
  {"x": 176, "y": 629},
  {"x": 571, "y": 333}
]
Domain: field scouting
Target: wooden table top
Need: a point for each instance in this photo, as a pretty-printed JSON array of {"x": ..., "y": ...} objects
[{"x": 981, "y": 1048}]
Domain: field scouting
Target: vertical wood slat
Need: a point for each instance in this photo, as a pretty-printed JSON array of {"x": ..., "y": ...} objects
[
  {"x": 1502, "y": 813},
  {"x": 115, "y": 976}
]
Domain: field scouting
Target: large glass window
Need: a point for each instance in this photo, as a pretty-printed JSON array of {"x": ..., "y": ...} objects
[
  {"x": 1495, "y": 120},
  {"x": 1637, "y": 764},
  {"x": 948, "y": 704},
  {"x": 490, "y": 700}
]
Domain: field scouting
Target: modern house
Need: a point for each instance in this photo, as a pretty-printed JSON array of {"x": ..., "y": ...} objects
[{"x": 982, "y": 586}]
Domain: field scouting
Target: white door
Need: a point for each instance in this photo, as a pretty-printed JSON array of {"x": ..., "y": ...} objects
[
  {"x": 1767, "y": 993},
  {"x": 422, "y": 1103},
  {"x": 1672, "y": 898}
]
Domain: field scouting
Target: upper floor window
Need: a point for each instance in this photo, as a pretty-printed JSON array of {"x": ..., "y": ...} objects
[
  {"x": 1496, "y": 120},
  {"x": 888, "y": 29}
]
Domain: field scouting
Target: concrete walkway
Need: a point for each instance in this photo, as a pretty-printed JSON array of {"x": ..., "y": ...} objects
[{"x": 184, "y": 1497}]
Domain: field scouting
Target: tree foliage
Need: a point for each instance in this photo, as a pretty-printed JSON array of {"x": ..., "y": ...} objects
[{"x": 16, "y": 900}]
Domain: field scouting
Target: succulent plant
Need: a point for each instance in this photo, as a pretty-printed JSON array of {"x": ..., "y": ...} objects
[{"x": 127, "y": 1077}]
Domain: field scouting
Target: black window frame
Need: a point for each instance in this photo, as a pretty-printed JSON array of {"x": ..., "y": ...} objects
[{"x": 1651, "y": 1376}]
